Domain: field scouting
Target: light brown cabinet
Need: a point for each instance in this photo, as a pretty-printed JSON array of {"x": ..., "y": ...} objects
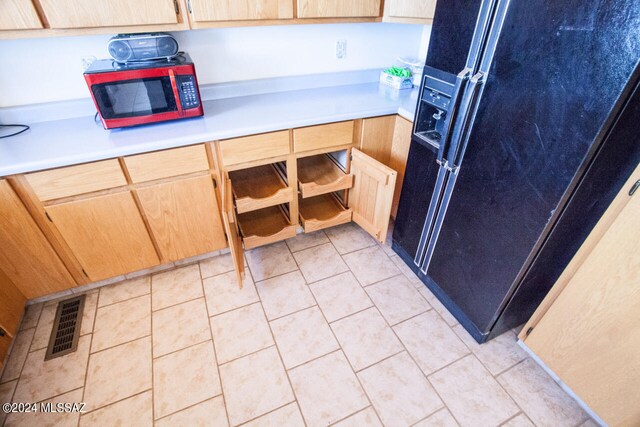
[
  {"x": 387, "y": 139},
  {"x": 586, "y": 330},
  {"x": 108, "y": 13},
  {"x": 338, "y": 8},
  {"x": 106, "y": 234},
  {"x": 18, "y": 15},
  {"x": 229, "y": 10},
  {"x": 304, "y": 182},
  {"x": 11, "y": 308},
  {"x": 26, "y": 257},
  {"x": 410, "y": 9},
  {"x": 183, "y": 216},
  {"x": 399, "y": 155}
]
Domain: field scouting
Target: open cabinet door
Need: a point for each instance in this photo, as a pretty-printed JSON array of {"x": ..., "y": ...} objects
[
  {"x": 589, "y": 335},
  {"x": 231, "y": 228},
  {"x": 371, "y": 197},
  {"x": 11, "y": 309}
]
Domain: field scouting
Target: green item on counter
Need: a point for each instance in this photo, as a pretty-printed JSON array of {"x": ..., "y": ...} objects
[{"x": 398, "y": 71}]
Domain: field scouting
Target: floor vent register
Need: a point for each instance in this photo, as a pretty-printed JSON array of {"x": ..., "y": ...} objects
[{"x": 66, "y": 328}]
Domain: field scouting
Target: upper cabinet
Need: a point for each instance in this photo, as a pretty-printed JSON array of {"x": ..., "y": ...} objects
[
  {"x": 18, "y": 15},
  {"x": 40, "y": 18},
  {"x": 338, "y": 8},
  {"x": 108, "y": 13},
  {"x": 228, "y": 10},
  {"x": 409, "y": 11}
]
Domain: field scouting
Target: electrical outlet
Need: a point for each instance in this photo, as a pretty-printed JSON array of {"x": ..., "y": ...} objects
[
  {"x": 341, "y": 49},
  {"x": 87, "y": 61}
]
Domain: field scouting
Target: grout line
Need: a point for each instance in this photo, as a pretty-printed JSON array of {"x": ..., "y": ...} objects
[
  {"x": 118, "y": 345},
  {"x": 213, "y": 343},
  {"x": 153, "y": 397},
  {"x": 177, "y": 304},
  {"x": 431, "y": 414},
  {"x": 293, "y": 312},
  {"x": 245, "y": 355},
  {"x": 336, "y": 338},
  {"x": 180, "y": 349},
  {"x": 276, "y": 275},
  {"x": 511, "y": 417},
  {"x": 189, "y": 407},
  {"x": 426, "y": 377},
  {"x": 380, "y": 361},
  {"x": 309, "y": 247},
  {"x": 124, "y": 300},
  {"x": 352, "y": 415},
  {"x": 115, "y": 402},
  {"x": 293, "y": 392},
  {"x": 244, "y": 423}
]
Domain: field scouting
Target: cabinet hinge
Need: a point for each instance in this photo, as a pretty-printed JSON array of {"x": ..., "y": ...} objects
[
  {"x": 84, "y": 272},
  {"x": 528, "y": 331},
  {"x": 48, "y": 217}
]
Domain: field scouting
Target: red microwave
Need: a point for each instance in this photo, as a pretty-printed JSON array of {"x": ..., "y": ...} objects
[{"x": 144, "y": 92}]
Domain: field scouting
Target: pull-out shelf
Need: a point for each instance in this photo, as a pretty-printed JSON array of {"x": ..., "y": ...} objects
[
  {"x": 259, "y": 187},
  {"x": 320, "y": 175},
  {"x": 264, "y": 226},
  {"x": 322, "y": 211}
]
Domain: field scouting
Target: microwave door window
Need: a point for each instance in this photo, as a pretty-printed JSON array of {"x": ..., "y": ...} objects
[{"x": 132, "y": 98}]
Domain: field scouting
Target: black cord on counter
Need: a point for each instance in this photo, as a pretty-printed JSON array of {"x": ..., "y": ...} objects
[{"x": 24, "y": 129}]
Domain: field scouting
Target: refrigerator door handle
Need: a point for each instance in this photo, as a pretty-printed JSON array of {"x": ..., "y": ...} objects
[
  {"x": 468, "y": 106},
  {"x": 461, "y": 81},
  {"x": 434, "y": 206}
]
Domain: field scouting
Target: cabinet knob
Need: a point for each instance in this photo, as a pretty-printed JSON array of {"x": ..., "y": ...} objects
[
  {"x": 2, "y": 332},
  {"x": 634, "y": 187}
]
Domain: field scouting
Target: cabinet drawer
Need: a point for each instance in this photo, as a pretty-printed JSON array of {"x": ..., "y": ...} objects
[
  {"x": 323, "y": 136},
  {"x": 320, "y": 174},
  {"x": 167, "y": 163},
  {"x": 259, "y": 187},
  {"x": 338, "y": 8},
  {"x": 265, "y": 226},
  {"x": 74, "y": 180},
  {"x": 255, "y": 147},
  {"x": 322, "y": 211}
]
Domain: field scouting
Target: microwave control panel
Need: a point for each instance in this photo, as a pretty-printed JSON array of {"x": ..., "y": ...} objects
[{"x": 188, "y": 92}]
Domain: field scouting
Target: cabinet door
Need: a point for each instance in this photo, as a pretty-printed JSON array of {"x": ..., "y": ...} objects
[
  {"x": 26, "y": 257},
  {"x": 184, "y": 217},
  {"x": 11, "y": 306},
  {"x": 377, "y": 137},
  {"x": 338, "y": 8},
  {"x": 589, "y": 336},
  {"x": 233, "y": 10},
  {"x": 106, "y": 234},
  {"x": 108, "y": 13},
  {"x": 372, "y": 194},
  {"x": 18, "y": 15},
  {"x": 231, "y": 227},
  {"x": 399, "y": 154},
  {"x": 421, "y": 9}
]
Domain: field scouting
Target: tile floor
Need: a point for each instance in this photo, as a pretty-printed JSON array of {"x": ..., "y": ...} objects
[{"x": 329, "y": 329}]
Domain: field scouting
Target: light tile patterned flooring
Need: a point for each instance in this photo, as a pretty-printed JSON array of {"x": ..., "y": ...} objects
[{"x": 334, "y": 330}]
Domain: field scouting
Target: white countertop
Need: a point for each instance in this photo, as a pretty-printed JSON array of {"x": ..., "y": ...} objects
[{"x": 64, "y": 142}]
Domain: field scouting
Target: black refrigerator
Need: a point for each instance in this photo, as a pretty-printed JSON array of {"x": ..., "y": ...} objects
[{"x": 527, "y": 126}]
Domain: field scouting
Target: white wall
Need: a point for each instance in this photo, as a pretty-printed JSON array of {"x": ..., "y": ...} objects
[{"x": 49, "y": 69}]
